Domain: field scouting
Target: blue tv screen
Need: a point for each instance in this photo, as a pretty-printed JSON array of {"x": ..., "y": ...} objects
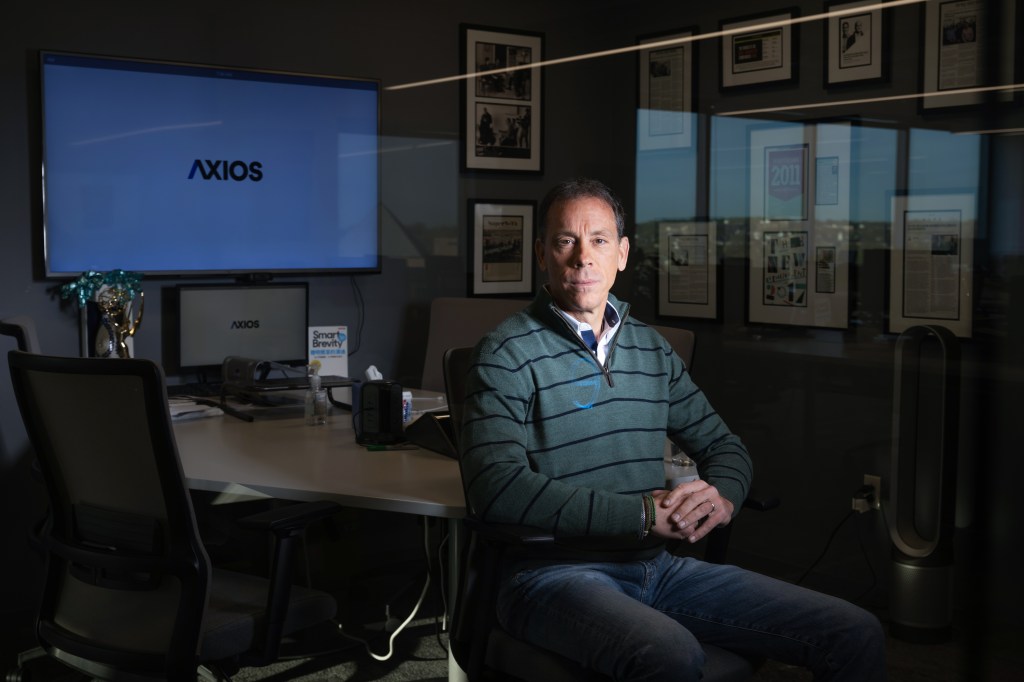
[{"x": 178, "y": 169}]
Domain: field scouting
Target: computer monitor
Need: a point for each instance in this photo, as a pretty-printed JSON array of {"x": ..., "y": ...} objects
[{"x": 259, "y": 321}]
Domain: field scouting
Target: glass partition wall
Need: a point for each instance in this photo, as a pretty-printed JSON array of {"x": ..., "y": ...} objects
[
  {"x": 848, "y": 248},
  {"x": 828, "y": 192}
]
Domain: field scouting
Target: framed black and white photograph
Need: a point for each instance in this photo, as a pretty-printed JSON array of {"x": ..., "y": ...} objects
[
  {"x": 665, "y": 111},
  {"x": 501, "y": 247},
  {"x": 758, "y": 50},
  {"x": 502, "y": 117},
  {"x": 932, "y": 262},
  {"x": 798, "y": 267},
  {"x": 854, "y": 40},
  {"x": 688, "y": 269},
  {"x": 955, "y": 45}
]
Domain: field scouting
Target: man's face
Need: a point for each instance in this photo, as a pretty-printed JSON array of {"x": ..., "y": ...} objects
[{"x": 581, "y": 253}]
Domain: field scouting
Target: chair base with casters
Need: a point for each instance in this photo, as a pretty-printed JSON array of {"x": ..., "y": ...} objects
[
  {"x": 238, "y": 618},
  {"x": 129, "y": 592}
]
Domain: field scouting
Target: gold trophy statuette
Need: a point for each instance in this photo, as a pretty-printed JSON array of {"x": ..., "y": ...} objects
[{"x": 117, "y": 321}]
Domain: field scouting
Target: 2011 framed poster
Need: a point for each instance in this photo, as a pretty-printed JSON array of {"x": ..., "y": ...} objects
[
  {"x": 798, "y": 271},
  {"x": 502, "y": 121},
  {"x": 501, "y": 247}
]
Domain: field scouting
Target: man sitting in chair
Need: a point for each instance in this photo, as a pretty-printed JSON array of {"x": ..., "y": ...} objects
[{"x": 567, "y": 407}]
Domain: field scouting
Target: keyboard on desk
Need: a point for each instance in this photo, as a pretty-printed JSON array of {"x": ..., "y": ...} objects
[
  {"x": 202, "y": 389},
  {"x": 286, "y": 383}
]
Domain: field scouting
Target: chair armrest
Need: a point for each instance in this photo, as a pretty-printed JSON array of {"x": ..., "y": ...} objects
[
  {"x": 291, "y": 517},
  {"x": 509, "y": 533},
  {"x": 288, "y": 524},
  {"x": 760, "y": 501}
]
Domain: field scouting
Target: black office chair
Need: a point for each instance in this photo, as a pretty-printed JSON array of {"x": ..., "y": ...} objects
[
  {"x": 129, "y": 590},
  {"x": 478, "y": 643},
  {"x": 22, "y": 501}
]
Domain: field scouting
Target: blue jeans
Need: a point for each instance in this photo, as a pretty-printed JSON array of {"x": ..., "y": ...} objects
[{"x": 644, "y": 620}]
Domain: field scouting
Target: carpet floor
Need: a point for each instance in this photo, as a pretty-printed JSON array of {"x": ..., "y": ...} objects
[{"x": 419, "y": 656}]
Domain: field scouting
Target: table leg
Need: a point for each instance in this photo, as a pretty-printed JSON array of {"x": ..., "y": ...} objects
[{"x": 455, "y": 538}]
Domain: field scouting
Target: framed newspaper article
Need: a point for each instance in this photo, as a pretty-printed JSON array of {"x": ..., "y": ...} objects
[
  {"x": 665, "y": 108},
  {"x": 501, "y": 247},
  {"x": 955, "y": 48},
  {"x": 501, "y": 114},
  {"x": 854, "y": 42},
  {"x": 931, "y": 262},
  {"x": 758, "y": 50},
  {"x": 688, "y": 269},
  {"x": 798, "y": 268}
]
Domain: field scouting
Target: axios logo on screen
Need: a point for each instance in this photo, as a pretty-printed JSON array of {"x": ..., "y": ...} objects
[
  {"x": 245, "y": 324},
  {"x": 225, "y": 170}
]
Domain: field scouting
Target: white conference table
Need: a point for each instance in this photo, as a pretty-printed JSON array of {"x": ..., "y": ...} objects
[
  {"x": 277, "y": 455},
  {"x": 282, "y": 457}
]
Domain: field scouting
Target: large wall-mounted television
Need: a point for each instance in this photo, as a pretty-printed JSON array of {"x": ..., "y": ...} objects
[{"x": 170, "y": 169}]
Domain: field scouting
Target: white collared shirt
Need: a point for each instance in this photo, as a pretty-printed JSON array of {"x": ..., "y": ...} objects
[{"x": 611, "y": 323}]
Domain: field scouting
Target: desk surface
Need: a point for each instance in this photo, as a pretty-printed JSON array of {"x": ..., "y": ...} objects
[{"x": 285, "y": 458}]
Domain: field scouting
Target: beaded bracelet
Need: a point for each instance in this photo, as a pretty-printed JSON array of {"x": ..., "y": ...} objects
[
  {"x": 643, "y": 518},
  {"x": 647, "y": 515}
]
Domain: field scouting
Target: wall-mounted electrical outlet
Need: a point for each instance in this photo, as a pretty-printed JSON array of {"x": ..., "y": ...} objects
[
  {"x": 868, "y": 496},
  {"x": 876, "y": 484}
]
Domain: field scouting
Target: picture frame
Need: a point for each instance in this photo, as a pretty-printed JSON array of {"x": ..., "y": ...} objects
[
  {"x": 501, "y": 247},
  {"x": 855, "y": 43},
  {"x": 798, "y": 250},
  {"x": 955, "y": 42},
  {"x": 931, "y": 262},
  {"x": 665, "y": 92},
  {"x": 766, "y": 53},
  {"x": 688, "y": 281},
  {"x": 502, "y": 117}
]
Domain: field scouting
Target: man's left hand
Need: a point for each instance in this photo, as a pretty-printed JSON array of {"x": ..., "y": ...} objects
[{"x": 693, "y": 509}]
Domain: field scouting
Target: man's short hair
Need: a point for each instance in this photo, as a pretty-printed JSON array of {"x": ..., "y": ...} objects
[{"x": 581, "y": 188}]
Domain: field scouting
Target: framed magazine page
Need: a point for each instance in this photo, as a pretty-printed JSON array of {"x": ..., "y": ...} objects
[
  {"x": 854, "y": 42},
  {"x": 932, "y": 261},
  {"x": 501, "y": 116},
  {"x": 501, "y": 247},
  {"x": 798, "y": 270},
  {"x": 688, "y": 269},
  {"x": 665, "y": 107},
  {"x": 955, "y": 46},
  {"x": 758, "y": 50}
]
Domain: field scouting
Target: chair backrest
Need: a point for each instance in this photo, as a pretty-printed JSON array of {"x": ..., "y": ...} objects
[
  {"x": 127, "y": 576},
  {"x": 22, "y": 502},
  {"x": 458, "y": 322},
  {"x": 20, "y": 334},
  {"x": 683, "y": 342},
  {"x": 456, "y": 363},
  {"x": 23, "y": 330}
]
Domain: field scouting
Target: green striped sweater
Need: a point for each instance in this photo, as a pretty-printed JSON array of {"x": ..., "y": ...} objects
[{"x": 551, "y": 439}]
